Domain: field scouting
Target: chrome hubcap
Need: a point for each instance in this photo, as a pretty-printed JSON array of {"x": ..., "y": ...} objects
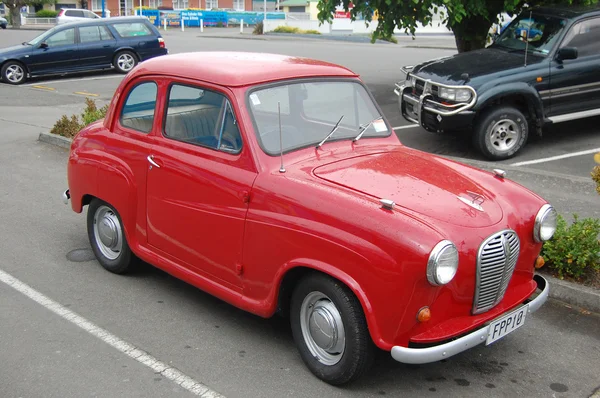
[
  {"x": 125, "y": 62},
  {"x": 504, "y": 135},
  {"x": 322, "y": 328},
  {"x": 108, "y": 233},
  {"x": 15, "y": 73}
]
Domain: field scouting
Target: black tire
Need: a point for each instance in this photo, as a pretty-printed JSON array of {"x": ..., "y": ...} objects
[
  {"x": 117, "y": 261},
  {"x": 500, "y": 133},
  {"x": 8, "y": 73},
  {"x": 3, "y": 26},
  {"x": 125, "y": 67},
  {"x": 358, "y": 349}
]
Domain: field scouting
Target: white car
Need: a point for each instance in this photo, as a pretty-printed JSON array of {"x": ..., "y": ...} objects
[{"x": 74, "y": 14}]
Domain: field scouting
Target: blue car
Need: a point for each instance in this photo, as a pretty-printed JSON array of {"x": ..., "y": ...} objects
[{"x": 118, "y": 43}]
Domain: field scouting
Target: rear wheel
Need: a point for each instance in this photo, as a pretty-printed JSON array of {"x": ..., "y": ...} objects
[
  {"x": 13, "y": 72},
  {"x": 125, "y": 61},
  {"x": 330, "y": 330},
  {"x": 501, "y": 133}
]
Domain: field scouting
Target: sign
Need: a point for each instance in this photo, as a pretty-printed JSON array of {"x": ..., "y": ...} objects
[{"x": 342, "y": 14}]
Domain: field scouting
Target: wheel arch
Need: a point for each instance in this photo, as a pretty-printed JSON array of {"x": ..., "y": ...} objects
[{"x": 523, "y": 97}]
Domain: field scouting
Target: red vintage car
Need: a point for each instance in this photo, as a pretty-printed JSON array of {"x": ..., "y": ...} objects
[{"x": 276, "y": 184}]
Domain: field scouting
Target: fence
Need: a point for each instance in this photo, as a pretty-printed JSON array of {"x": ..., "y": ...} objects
[
  {"x": 37, "y": 21},
  {"x": 209, "y": 18}
]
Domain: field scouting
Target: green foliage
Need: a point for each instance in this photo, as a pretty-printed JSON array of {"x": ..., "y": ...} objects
[
  {"x": 258, "y": 29},
  {"x": 574, "y": 250},
  {"x": 310, "y": 32},
  {"x": 70, "y": 126},
  {"x": 391, "y": 39},
  {"x": 596, "y": 177},
  {"x": 220, "y": 24},
  {"x": 470, "y": 20},
  {"x": 46, "y": 14},
  {"x": 293, "y": 29}
]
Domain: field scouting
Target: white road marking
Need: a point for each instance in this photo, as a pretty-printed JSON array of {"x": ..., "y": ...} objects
[
  {"x": 83, "y": 79},
  {"x": 126, "y": 348},
  {"x": 410, "y": 126},
  {"x": 551, "y": 158}
]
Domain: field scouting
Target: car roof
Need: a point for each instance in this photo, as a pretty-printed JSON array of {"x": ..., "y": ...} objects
[
  {"x": 236, "y": 69},
  {"x": 105, "y": 21},
  {"x": 569, "y": 12}
]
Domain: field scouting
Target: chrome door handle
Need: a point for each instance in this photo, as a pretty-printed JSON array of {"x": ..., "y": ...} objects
[{"x": 152, "y": 162}]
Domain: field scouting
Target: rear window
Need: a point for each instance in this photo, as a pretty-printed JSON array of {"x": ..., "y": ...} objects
[
  {"x": 132, "y": 29},
  {"x": 74, "y": 13}
]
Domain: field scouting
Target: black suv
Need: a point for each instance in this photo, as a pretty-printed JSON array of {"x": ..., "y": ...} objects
[{"x": 543, "y": 68}]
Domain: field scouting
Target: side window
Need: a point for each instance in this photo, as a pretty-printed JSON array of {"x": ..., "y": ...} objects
[
  {"x": 63, "y": 38},
  {"x": 201, "y": 117},
  {"x": 138, "y": 111},
  {"x": 89, "y": 14},
  {"x": 89, "y": 34},
  {"x": 132, "y": 29},
  {"x": 584, "y": 35},
  {"x": 74, "y": 13}
]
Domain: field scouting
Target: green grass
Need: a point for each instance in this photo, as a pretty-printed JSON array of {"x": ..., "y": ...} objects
[{"x": 292, "y": 29}]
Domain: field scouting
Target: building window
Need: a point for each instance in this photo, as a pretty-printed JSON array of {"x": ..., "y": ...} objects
[
  {"x": 97, "y": 5},
  {"x": 238, "y": 5},
  {"x": 180, "y": 4},
  {"x": 155, "y": 3},
  {"x": 210, "y": 4}
]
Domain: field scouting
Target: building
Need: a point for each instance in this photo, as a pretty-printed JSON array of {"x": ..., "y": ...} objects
[{"x": 126, "y": 7}]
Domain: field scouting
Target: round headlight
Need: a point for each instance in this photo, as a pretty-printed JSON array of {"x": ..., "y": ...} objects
[
  {"x": 545, "y": 224},
  {"x": 442, "y": 264}
]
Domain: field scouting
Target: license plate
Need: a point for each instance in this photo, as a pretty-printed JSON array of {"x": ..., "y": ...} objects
[{"x": 507, "y": 324}]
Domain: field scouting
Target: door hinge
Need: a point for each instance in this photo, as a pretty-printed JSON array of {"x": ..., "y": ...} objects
[
  {"x": 246, "y": 197},
  {"x": 239, "y": 268}
]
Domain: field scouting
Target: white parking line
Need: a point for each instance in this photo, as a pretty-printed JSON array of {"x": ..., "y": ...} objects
[
  {"x": 410, "y": 126},
  {"x": 75, "y": 80},
  {"x": 551, "y": 158},
  {"x": 126, "y": 348}
]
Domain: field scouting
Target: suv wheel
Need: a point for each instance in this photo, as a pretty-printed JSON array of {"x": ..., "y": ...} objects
[{"x": 501, "y": 133}]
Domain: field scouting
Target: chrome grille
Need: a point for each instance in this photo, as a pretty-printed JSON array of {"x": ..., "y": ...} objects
[{"x": 497, "y": 258}]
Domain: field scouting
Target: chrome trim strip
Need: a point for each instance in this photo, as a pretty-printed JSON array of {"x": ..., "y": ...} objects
[
  {"x": 575, "y": 115},
  {"x": 590, "y": 90},
  {"x": 444, "y": 351}
]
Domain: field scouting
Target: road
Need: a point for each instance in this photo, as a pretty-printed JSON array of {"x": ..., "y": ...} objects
[{"x": 556, "y": 354}]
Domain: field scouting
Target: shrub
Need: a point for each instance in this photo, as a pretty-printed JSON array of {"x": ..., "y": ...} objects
[
  {"x": 258, "y": 29},
  {"x": 70, "y": 126},
  {"x": 220, "y": 24},
  {"x": 46, "y": 14},
  {"x": 311, "y": 32},
  {"x": 286, "y": 29},
  {"x": 596, "y": 177},
  {"x": 377, "y": 36},
  {"x": 574, "y": 250}
]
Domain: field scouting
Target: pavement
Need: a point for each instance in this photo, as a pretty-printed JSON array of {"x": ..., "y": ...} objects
[{"x": 44, "y": 245}]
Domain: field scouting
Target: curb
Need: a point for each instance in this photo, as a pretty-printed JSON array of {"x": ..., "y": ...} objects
[
  {"x": 567, "y": 292},
  {"x": 54, "y": 139},
  {"x": 574, "y": 294}
]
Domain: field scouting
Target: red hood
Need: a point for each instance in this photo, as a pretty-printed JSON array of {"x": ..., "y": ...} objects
[{"x": 418, "y": 183}]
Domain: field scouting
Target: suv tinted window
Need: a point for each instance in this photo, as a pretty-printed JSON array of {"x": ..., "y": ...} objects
[
  {"x": 89, "y": 34},
  {"x": 138, "y": 111},
  {"x": 585, "y": 36},
  {"x": 74, "y": 13},
  {"x": 201, "y": 117},
  {"x": 129, "y": 29}
]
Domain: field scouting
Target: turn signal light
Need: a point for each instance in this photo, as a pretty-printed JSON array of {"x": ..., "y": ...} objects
[
  {"x": 539, "y": 262},
  {"x": 424, "y": 314}
]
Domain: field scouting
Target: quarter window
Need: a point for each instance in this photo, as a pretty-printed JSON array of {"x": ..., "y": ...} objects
[
  {"x": 132, "y": 29},
  {"x": 138, "y": 111},
  {"x": 201, "y": 117},
  {"x": 585, "y": 36}
]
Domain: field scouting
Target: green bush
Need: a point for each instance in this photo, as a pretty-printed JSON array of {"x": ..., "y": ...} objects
[
  {"x": 574, "y": 250},
  {"x": 46, "y": 14},
  {"x": 596, "y": 177},
  {"x": 311, "y": 32},
  {"x": 258, "y": 29},
  {"x": 70, "y": 126},
  {"x": 286, "y": 29},
  {"x": 377, "y": 36}
]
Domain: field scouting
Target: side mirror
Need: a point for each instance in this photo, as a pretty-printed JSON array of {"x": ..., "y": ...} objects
[
  {"x": 566, "y": 53},
  {"x": 43, "y": 45}
]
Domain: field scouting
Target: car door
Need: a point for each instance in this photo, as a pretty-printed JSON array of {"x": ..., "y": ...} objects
[
  {"x": 96, "y": 46},
  {"x": 575, "y": 83},
  {"x": 57, "y": 53},
  {"x": 199, "y": 184}
]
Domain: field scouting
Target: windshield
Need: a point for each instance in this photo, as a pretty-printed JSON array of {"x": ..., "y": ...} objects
[
  {"x": 37, "y": 40},
  {"x": 310, "y": 112},
  {"x": 540, "y": 31}
]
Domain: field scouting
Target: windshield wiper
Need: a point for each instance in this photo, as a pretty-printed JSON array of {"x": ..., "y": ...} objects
[
  {"x": 26, "y": 43},
  {"x": 331, "y": 132},
  {"x": 364, "y": 128}
]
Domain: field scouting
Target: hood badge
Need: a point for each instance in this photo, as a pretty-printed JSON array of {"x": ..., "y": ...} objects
[{"x": 475, "y": 201}]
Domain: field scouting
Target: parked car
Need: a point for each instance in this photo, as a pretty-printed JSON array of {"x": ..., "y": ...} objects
[
  {"x": 544, "y": 68},
  {"x": 280, "y": 187},
  {"x": 3, "y": 23},
  {"x": 117, "y": 43},
  {"x": 75, "y": 14}
]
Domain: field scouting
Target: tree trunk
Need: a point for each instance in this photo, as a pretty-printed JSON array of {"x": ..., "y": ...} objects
[
  {"x": 15, "y": 17},
  {"x": 471, "y": 33}
]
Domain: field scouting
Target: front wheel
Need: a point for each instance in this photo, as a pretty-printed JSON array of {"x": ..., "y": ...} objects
[
  {"x": 125, "y": 61},
  {"x": 13, "y": 72},
  {"x": 330, "y": 330},
  {"x": 501, "y": 133}
]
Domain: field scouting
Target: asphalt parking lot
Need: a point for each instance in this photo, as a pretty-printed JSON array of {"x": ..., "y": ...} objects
[{"x": 556, "y": 354}]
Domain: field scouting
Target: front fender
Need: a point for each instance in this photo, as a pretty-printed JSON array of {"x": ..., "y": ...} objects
[{"x": 521, "y": 89}]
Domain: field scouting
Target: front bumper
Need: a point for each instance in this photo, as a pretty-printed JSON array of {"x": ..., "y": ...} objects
[
  {"x": 66, "y": 196},
  {"x": 443, "y": 351},
  {"x": 430, "y": 114}
]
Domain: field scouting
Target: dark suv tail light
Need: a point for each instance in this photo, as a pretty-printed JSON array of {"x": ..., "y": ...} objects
[
  {"x": 61, "y": 13},
  {"x": 161, "y": 42}
]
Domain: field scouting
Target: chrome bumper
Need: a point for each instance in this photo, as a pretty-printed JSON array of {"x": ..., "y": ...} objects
[
  {"x": 66, "y": 196},
  {"x": 443, "y": 351}
]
